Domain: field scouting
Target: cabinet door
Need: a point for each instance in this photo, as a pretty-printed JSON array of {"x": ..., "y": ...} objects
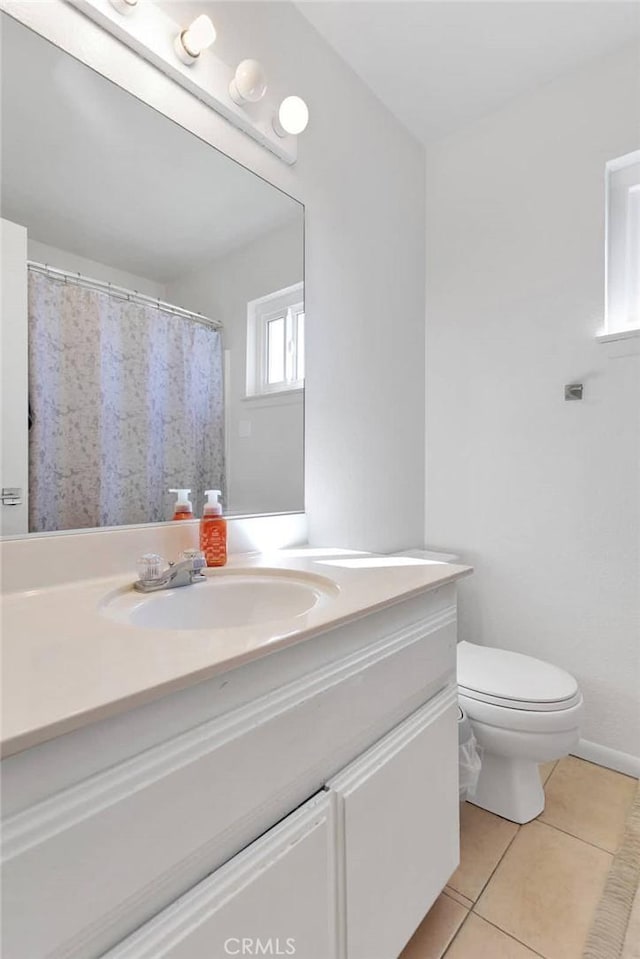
[
  {"x": 275, "y": 898},
  {"x": 397, "y": 820}
]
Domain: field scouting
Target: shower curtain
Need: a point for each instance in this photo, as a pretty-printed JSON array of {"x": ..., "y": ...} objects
[{"x": 126, "y": 401}]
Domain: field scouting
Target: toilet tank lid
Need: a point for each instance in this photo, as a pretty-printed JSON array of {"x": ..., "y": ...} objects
[
  {"x": 431, "y": 555},
  {"x": 511, "y": 676}
]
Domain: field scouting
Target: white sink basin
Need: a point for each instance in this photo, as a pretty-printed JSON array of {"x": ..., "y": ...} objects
[{"x": 228, "y": 598}]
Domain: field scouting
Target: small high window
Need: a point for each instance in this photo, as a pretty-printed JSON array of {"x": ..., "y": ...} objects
[
  {"x": 275, "y": 342},
  {"x": 623, "y": 245}
]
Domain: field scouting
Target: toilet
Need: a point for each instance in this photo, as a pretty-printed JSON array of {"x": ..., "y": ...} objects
[{"x": 523, "y": 712}]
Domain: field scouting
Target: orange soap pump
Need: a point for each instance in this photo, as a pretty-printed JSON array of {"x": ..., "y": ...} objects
[
  {"x": 183, "y": 508},
  {"x": 213, "y": 530}
]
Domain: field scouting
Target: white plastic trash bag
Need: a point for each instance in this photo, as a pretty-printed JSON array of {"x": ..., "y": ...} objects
[{"x": 469, "y": 758}]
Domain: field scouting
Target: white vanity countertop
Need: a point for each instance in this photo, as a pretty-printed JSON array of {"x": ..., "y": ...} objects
[{"x": 65, "y": 664}]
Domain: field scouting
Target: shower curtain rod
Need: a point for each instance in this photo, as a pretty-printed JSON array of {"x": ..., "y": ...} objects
[{"x": 121, "y": 291}]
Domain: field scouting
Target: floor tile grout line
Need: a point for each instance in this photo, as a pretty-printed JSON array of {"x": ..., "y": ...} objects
[
  {"x": 456, "y": 934},
  {"x": 449, "y": 896},
  {"x": 493, "y": 871},
  {"x": 503, "y": 931},
  {"x": 510, "y": 935},
  {"x": 474, "y": 901},
  {"x": 573, "y": 836}
]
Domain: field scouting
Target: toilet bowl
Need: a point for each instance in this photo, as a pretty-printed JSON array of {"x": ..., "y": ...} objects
[{"x": 523, "y": 712}]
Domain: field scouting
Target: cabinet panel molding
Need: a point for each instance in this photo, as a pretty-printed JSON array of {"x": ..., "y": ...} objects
[{"x": 62, "y": 811}]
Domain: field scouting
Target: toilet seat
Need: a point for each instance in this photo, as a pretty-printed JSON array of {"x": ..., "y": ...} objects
[
  {"x": 527, "y": 706},
  {"x": 507, "y": 680},
  {"x": 522, "y": 720}
]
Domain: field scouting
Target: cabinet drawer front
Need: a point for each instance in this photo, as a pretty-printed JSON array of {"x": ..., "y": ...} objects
[
  {"x": 397, "y": 814},
  {"x": 83, "y": 869},
  {"x": 277, "y": 897}
]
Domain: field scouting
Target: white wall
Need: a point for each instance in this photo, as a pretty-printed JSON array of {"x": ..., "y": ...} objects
[
  {"x": 361, "y": 176},
  {"x": 63, "y": 260},
  {"x": 541, "y": 495},
  {"x": 265, "y": 470}
]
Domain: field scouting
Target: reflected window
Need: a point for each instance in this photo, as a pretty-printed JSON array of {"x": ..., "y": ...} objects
[{"x": 275, "y": 342}]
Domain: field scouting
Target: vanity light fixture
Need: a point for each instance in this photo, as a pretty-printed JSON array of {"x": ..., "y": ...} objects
[
  {"x": 154, "y": 35},
  {"x": 249, "y": 82},
  {"x": 292, "y": 117},
  {"x": 124, "y": 6},
  {"x": 190, "y": 43}
]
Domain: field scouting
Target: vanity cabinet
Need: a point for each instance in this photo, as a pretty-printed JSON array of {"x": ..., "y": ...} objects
[
  {"x": 311, "y": 795},
  {"x": 349, "y": 874}
]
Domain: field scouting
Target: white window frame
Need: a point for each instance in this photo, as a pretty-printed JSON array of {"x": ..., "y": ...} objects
[
  {"x": 622, "y": 283},
  {"x": 286, "y": 303}
]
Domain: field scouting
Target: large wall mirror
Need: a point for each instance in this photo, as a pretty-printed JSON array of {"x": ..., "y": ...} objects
[{"x": 153, "y": 303}]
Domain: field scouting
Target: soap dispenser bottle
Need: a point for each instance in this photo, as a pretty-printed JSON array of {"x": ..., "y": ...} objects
[
  {"x": 213, "y": 530},
  {"x": 183, "y": 508}
]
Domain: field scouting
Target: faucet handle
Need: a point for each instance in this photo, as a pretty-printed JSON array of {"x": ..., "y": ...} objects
[
  {"x": 151, "y": 567},
  {"x": 193, "y": 556}
]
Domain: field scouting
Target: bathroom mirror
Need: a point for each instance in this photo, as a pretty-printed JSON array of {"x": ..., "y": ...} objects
[{"x": 152, "y": 304}]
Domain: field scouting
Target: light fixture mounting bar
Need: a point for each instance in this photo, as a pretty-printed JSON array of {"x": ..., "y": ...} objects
[{"x": 149, "y": 32}]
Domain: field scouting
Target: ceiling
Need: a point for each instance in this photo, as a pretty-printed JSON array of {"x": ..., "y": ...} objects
[
  {"x": 441, "y": 65},
  {"x": 88, "y": 168}
]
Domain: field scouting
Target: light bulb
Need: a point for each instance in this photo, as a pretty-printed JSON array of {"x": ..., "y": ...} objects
[
  {"x": 249, "y": 83},
  {"x": 124, "y": 6},
  {"x": 292, "y": 117},
  {"x": 191, "y": 42}
]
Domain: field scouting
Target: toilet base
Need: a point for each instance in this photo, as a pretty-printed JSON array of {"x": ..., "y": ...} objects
[{"x": 510, "y": 788}]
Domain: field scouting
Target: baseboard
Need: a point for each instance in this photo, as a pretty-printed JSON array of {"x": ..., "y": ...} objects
[{"x": 611, "y": 758}]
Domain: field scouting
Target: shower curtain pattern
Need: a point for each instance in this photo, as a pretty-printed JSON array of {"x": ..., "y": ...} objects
[{"x": 126, "y": 400}]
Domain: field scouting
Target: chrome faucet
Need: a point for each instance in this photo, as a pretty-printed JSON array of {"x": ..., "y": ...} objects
[{"x": 186, "y": 572}]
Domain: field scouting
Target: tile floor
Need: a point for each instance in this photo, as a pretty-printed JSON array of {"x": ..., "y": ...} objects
[{"x": 530, "y": 891}]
